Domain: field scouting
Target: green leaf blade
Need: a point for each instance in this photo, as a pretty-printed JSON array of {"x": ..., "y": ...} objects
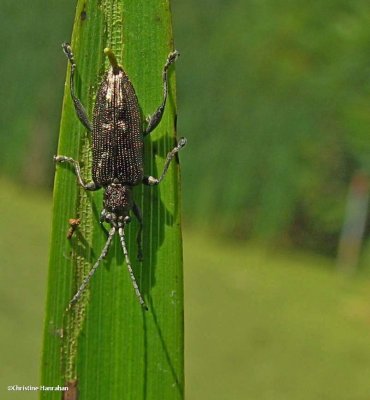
[{"x": 107, "y": 342}]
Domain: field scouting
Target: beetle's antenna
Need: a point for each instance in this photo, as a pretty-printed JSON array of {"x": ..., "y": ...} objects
[
  {"x": 93, "y": 269},
  {"x": 121, "y": 234}
]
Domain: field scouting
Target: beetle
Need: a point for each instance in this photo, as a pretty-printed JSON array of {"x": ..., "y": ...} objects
[{"x": 117, "y": 149}]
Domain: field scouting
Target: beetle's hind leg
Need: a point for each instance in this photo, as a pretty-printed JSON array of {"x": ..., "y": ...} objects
[
  {"x": 151, "y": 180},
  {"x": 87, "y": 186},
  {"x": 155, "y": 118},
  {"x": 139, "y": 236},
  {"x": 80, "y": 109}
]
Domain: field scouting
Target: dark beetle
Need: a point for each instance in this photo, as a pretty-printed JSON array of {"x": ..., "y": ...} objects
[{"x": 117, "y": 138}]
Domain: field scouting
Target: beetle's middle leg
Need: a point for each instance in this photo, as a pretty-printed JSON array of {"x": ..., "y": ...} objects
[
  {"x": 155, "y": 118},
  {"x": 151, "y": 180},
  {"x": 87, "y": 186},
  {"x": 80, "y": 109}
]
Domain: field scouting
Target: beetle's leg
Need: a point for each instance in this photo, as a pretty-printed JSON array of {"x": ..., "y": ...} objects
[
  {"x": 104, "y": 228},
  {"x": 139, "y": 237},
  {"x": 80, "y": 109},
  {"x": 151, "y": 180},
  {"x": 102, "y": 219},
  {"x": 87, "y": 186},
  {"x": 155, "y": 118}
]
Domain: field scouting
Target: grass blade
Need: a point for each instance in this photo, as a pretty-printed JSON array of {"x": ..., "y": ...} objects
[{"x": 107, "y": 343}]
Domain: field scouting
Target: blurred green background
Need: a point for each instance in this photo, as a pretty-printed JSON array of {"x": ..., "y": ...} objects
[{"x": 274, "y": 99}]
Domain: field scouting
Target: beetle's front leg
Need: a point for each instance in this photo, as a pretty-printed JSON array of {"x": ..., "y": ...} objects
[
  {"x": 80, "y": 109},
  {"x": 151, "y": 180},
  {"x": 87, "y": 186},
  {"x": 155, "y": 118}
]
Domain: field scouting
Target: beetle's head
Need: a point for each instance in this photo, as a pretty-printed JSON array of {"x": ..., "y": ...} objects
[{"x": 117, "y": 202}]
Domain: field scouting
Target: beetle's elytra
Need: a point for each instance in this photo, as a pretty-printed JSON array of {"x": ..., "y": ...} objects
[{"x": 117, "y": 148}]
